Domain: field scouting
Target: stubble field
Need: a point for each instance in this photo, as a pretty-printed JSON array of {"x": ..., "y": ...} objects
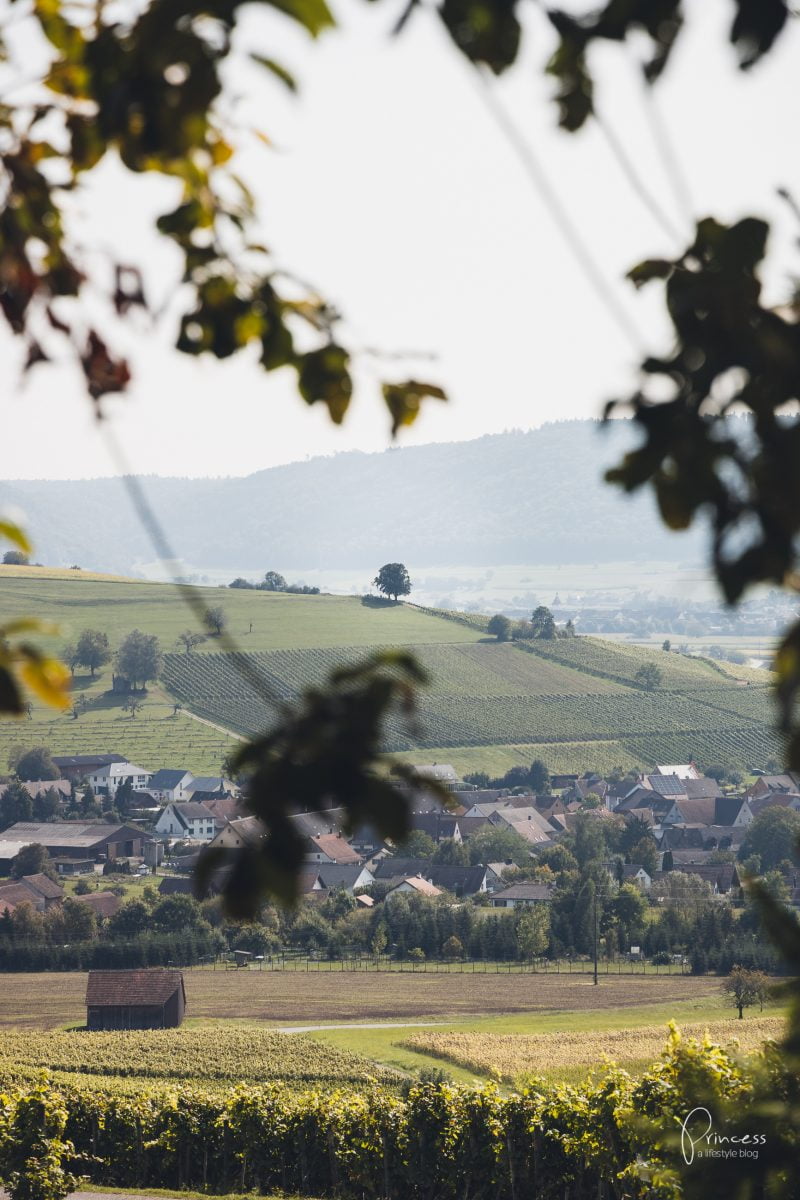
[{"x": 49, "y": 1000}]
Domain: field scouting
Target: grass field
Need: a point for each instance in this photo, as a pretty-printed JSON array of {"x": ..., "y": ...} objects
[{"x": 573, "y": 703}]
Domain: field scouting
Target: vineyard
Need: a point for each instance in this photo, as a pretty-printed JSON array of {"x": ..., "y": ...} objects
[
  {"x": 577, "y": 692},
  {"x": 154, "y": 737},
  {"x": 222, "y": 1054},
  {"x": 437, "y": 1141},
  {"x": 514, "y": 1057}
]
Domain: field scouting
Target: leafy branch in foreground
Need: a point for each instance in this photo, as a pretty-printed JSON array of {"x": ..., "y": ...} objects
[
  {"x": 324, "y": 753},
  {"x": 21, "y": 663}
]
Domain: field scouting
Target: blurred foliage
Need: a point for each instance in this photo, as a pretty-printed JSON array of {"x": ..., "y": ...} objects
[{"x": 324, "y": 752}]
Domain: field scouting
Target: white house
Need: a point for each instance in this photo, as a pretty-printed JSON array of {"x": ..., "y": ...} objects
[
  {"x": 168, "y": 785},
  {"x": 187, "y": 820},
  {"x": 107, "y": 779}
]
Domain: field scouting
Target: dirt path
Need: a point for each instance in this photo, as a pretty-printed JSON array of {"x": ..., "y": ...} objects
[{"x": 237, "y": 737}]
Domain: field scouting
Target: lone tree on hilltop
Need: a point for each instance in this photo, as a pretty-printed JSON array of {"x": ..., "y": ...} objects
[
  {"x": 543, "y": 623},
  {"x": 139, "y": 658},
  {"x": 273, "y": 582},
  {"x": 649, "y": 676},
  {"x": 500, "y": 627},
  {"x": 15, "y": 558},
  {"x": 393, "y": 580},
  {"x": 92, "y": 650}
]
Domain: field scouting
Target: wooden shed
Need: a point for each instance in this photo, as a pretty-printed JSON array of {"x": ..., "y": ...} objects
[{"x": 145, "y": 999}]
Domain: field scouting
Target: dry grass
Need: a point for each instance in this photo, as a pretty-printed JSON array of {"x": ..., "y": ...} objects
[
  {"x": 515, "y": 1056},
  {"x": 47, "y": 1000}
]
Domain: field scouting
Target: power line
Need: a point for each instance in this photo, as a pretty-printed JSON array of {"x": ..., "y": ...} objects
[
  {"x": 160, "y": 543},
  {"x": 634, "y": 178},
  {"x": 569, "y": 230},
  {"x": 669, "y": 158}
]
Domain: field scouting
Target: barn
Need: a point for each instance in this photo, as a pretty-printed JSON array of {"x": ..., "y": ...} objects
[{"x": 145, "y": 999}]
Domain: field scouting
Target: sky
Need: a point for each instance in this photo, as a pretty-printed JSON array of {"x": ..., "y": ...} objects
[{"x": 391, "y": 186}]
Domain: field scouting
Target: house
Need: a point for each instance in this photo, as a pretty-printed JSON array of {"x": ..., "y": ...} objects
[
  {"x": 102, "y": 904},
  {"x": 682, "y": 770},
  {"x": 143, "y": 999},
  {"x": 757, "y": 804},
  {"x": 212, "y": 783},
  {"x": 442, "y": 773},
  {"x": 75, "y": 839},
  {"x": 108, "y": 779},
  {"x": 522, "y": 895},
  {"x": 168, "y": 785},
  {"x": 187, "y": 819},
  {"x": 437, "y": 825},
  {"x": 330, "y": 848},
  {"x": 715, "y": 810},
  {"x": 43, "y": 886},
  {"x": 495, "y": 874},
  {"x": 461, "y": 881},
  {"x": 347, "y": 876},
  {"x": 767, "y": 785},
  {"x": 723, "y": 877},
  {"x": 241, "y": 831},
  {"x": 77, "y": 767},
  {"x": 415, "y": 884},
  {"x": 38, "y": 787},
  {"x": 12, "y": 895},
  {"x": 633, "y": 873}
]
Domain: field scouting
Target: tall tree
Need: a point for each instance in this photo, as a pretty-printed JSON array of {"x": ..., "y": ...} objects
[
  {"x": 15, "y": 804},
  {"x": 36, "y": 763},
  {"x": 273, "y": 582},
  {"x": 138, "y": 659},
  {"x": 393, "y": 580},
  {"x": 93, "y": 650},
  {"x": 543, "y": 623},
  {"x": 33, "y": 860}
]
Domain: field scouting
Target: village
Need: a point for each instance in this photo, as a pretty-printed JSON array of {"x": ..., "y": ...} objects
[{"x": 662, "y": 854}]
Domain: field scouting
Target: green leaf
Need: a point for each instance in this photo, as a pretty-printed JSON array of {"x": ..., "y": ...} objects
[
  {"x": 269, "y": 64},
  {"x": 651, "y": 268},
  {"x": 405, "y": 399},
  {"x": 14, "y": 534},
  {"x": 313, "y": 15}
]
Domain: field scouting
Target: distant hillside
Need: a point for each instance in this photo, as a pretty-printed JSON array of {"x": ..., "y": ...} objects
[
  {"x": 535, "y": 497},
  {"x": 574, "y": 702}
]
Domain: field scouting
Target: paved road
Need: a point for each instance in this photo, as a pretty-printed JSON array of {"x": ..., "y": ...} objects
[{"x": 351, "y": 1025}]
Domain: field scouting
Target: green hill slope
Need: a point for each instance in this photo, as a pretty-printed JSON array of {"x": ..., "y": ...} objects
[{"x": 574, "y": 703}]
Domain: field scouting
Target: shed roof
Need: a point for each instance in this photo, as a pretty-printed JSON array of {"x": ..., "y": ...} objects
[
  {"x": 167, "y": 777},
  {"x": 144, "y": 987},
  {"x": 103, "y": 904},
  {"x": 80, "y": 834}
]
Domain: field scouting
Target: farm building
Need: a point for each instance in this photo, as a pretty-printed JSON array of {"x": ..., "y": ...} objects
[
  {"x": 74, "y": 840},
  {"x": 146, "y": 999}
]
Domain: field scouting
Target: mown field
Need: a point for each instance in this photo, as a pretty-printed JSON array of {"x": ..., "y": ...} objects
[
  {"x": 49, "y": 1000},
  {"x": 574, "y": 703}
]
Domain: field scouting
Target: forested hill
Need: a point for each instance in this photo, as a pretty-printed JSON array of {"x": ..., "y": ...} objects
[{"x": 506, "y": 498}]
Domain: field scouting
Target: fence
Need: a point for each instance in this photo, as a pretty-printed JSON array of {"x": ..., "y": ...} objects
[{"x": 377, "y": 964}]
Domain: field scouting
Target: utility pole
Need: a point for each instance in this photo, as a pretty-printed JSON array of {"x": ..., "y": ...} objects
[{"x": 594, "y": 981}]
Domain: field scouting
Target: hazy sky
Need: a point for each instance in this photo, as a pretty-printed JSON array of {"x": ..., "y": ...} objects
[{"x": 391, "y": 187}]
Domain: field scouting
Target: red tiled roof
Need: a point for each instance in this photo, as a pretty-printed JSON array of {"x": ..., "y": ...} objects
[{"x": 146, "y": 987}]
